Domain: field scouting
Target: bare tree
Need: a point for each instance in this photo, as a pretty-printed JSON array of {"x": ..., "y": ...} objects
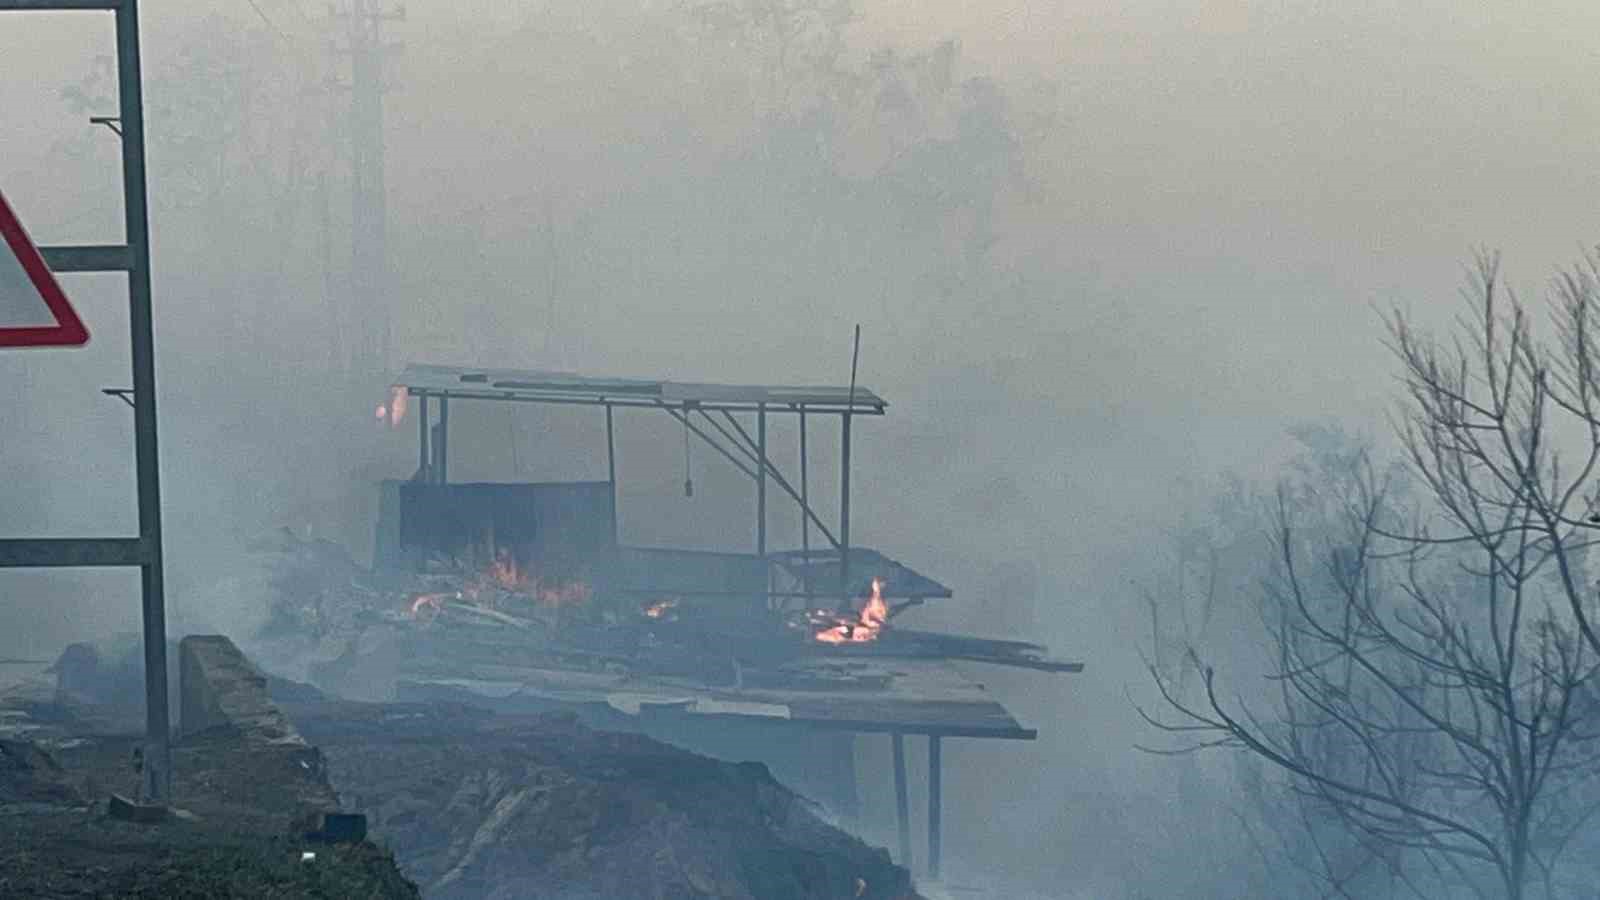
[
  {"x": 1433, "y": 685},
  {"x": 1210, "y": 608},
  {"x": 1495, "y": 420}
]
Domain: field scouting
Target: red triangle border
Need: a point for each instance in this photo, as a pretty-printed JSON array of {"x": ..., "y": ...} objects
[{"x": 69, "y": 330}]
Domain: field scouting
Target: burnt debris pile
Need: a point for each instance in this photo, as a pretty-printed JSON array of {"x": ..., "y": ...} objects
[{"x": 482, "y": 616}]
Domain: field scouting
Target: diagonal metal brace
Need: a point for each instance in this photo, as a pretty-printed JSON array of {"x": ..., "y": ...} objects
[
  {"x": 711, "y": 441},
  {"x": 749, "y": 446}
]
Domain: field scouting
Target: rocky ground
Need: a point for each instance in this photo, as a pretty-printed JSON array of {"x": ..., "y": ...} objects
[
  {"x": 237, "y": 829},
  {"x": 470, "y": 805},
  {"x": 232, "y": 837}
]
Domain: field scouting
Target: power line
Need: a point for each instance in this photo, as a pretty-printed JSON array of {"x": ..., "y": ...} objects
[{"x": 268, "y": 22}]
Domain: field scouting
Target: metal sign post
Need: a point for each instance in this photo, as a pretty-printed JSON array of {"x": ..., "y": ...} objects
[{"x": 134, "y": 259}]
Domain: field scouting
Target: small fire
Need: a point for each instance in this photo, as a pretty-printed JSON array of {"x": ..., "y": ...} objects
[
  {"x": 506, "y": 573},
  {"x": 859, "y": 630},
  {"x": 660, "y": 608},
  {"x": 397, "y": 405},
  {"x": 502, "y": 577},
  {"x": 394, "y": 411}
]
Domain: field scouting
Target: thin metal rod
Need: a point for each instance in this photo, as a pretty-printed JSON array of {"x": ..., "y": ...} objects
[
  {"x": 935, "y": 790},
  {"x": 712, "y": 592},
  {"x": 776, "y": 475},
  {"x": 805, "y": 505},
  {"x": 761, "y": 481},
  {"x": 59, "y": 5},
  {"x": 844, "y": 513},
  {"x": 902, "y": 806},
  {"x": 707, "y": 438},
  {"x": 844, "y": 480},
  {"x": 611, "y": 471},
  {"x": 444, "y": 440},
  {"x": 157, "y": 757},
  {"x": 423, "y": 424}
]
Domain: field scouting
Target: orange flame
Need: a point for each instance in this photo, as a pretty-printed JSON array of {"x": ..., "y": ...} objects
[
  {"x": 505, "y": 575},
  {"x": 394, "y": 411},
  {"x": 861, "y": 629},
  {"x": 397, "y": 405}
]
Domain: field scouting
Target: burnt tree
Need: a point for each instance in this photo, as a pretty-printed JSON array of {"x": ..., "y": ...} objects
[{"x": 1432, "y": 682}]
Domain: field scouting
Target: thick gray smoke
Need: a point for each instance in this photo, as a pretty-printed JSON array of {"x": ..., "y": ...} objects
[{"x": 1099, "y": 257}]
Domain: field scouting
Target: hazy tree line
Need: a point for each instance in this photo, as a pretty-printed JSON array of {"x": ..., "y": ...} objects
[
  {"x": 1418, "y": 716},
  {"x": 722, "y": 158}
]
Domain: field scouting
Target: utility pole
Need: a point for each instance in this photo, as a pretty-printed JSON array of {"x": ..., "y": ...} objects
[{"x": 370, "y": 288}]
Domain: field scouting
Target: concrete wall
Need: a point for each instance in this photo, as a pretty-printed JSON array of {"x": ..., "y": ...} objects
[{"x": 220, "y": 689}]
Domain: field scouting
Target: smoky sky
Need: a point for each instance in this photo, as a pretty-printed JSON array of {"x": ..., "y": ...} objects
[{"x": 1215, "y": 203}]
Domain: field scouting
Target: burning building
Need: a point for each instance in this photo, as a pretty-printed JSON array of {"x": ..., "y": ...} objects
[{"x": 521, "y": 596}]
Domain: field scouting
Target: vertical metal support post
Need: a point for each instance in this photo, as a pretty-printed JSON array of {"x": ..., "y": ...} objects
[
  {"x": 443, "y": 443},
  {"x": 422, "y": 439},
  {"x": 157, "y": 759},
  {"x": 902, "y": 806},
  {"x": 424, "y": 469},
  {"x": 611, "y": 470},
  {"x": 761, "y": 480},
  {"x": 935, "y": 790},
  {"x": 805, "y": 516},
  {"x": 844, "y": 512},
  {"x": 844, "y": 479}
]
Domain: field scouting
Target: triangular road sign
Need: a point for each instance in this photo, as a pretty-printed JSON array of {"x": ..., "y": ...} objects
[{"x": 33, "y": 310}]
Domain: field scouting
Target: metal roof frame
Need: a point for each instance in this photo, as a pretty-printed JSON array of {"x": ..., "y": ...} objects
[
  {"x": 540, "y": 386},
  {"x": 708, "y": 411}
]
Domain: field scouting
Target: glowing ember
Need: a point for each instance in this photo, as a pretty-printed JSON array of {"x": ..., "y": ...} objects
[
  {"x": 859, "y": 630},
  {"x": 660, "y": 608},
  {"x": 505, "y": 572},
  {"x": 574, "y": 593},
  {"x": 434, "y": 602}
]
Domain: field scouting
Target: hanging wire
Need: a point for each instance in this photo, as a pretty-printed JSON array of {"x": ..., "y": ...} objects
[
  {"x": 688, "y": 482},
  {"x": 511, "y": 438}
]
